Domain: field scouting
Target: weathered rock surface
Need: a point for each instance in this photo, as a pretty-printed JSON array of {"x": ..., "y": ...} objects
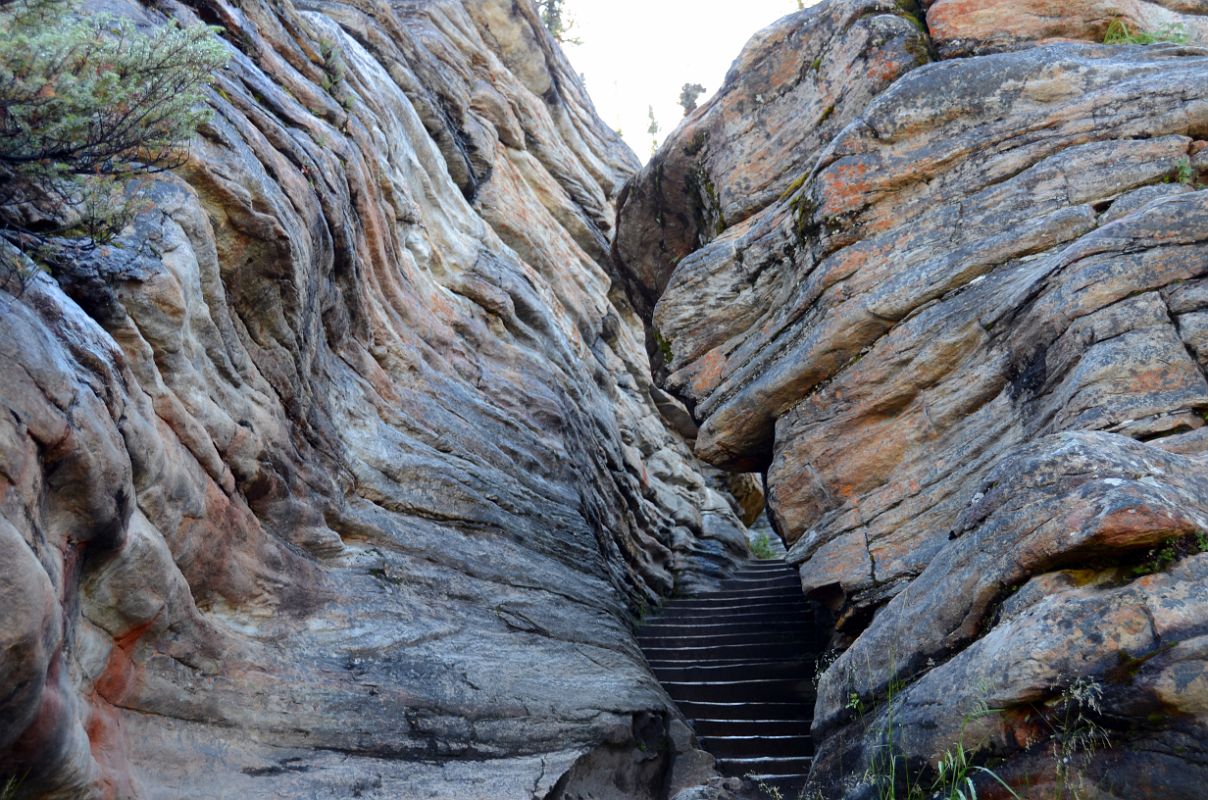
[
  {"x": 796, "y": 85},
  {"x": 961, "y": 27},
  {"x": 343, "y": 475},
  {"x": 1040, "y": 589},
  {"x": 967, "y": 346}
]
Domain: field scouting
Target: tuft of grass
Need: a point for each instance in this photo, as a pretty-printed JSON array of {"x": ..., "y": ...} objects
[
  {"x": 1118, "y": 32},
  {"x": 8, "y": 790},
  {"x": 954, "y": 775},
  {"x": 768, "y": 791},
  {"x": 951, "y": 778},
  {"x": 761, "y": 547},
  {"x": 1075, "y": 734}
]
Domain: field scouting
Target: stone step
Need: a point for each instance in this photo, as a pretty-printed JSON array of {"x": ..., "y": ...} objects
[
  {"x": 735, "y": 635},
  {"x": 765, "y": 765},
  {"x": 788, "y": 649},
  {"x": 781, "y": 625},
  {"x": 773, "y": 581},
  {"x": 750, "y": 615},
  {"x": 731, "y": 607},
  {"x": 776, "y": 634},
  {"x": 750, "y": 727},
  {"x": 780, "y": 710},
  {"x": 764, "y": 574},
  {"x": 784, "y": 668},
  {"x": 770, "y": 568},
  {"x": 738, "y": 605},
  {"x": 689, "y": 627},
  {"x": 739, "y": 663},
  {"x": 789, "y": 786},
  {"x": 743, "y": 592},
  {"x": 765, "y": 566},
  {"x": 770, "y": 600},
  {"x": 749, "y": 639},
  {"x": 750, "y": 746},
  {"x": 744, "y": 690}
]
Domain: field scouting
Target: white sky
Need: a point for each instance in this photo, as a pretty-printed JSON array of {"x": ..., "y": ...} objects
[{"x": 639, "y": 53}]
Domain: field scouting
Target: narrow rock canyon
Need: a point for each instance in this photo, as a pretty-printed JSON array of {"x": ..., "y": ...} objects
[{"x": 353, "y": 466}]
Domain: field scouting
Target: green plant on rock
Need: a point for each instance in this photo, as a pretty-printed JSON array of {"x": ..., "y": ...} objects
[
  {"x": 555, "y": 19},
  {"x": 761, "y": 547},
  {"x": 87, "y": 103},
  {"x": 1184, "y": 174},
  {"x": 1118, "y": 32},
  {"x": 1160, "y": 559},
  {"x": 953, "y": 777},
  {"x": 643, "y": 612},
  {"x": 823, "y": 663},
  {"x": 689, "y": 94},
  {"x": 653, "y": 130},
  {"x": 1075, "y": 735},
  {"x": 334, "y": 70},
  {"x": 768, "y": 791},
  {"x": 954, "y": 773}
]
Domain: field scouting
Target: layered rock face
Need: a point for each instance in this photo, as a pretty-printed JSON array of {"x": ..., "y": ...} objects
[
  {"x": 344, "y": 474},
  {"x": 962, "y": 27},
  {"x": 961, "y": 329}
]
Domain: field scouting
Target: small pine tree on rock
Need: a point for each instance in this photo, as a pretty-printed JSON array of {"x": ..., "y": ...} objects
[
  {"x": 689, "y": 95},
  {"x": 88, "y": 102},
  {"x": 554, "y": 17}
]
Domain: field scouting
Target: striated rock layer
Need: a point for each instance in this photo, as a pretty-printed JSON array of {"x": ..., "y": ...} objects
[
  {"x": 343, "y": 475},
  {"x": 964, "y": 336},
  {"x": 962, "y": 27}
]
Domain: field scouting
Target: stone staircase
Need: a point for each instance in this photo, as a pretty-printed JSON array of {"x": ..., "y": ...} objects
[{"x": 739, "y": 663}]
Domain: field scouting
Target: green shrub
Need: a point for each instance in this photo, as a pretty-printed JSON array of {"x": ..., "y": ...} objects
[
  {"x": 761, "y": 547},
  {"x": 554, "y": 18},
  {"x": 689, "y": 95},
  {"x": 1118, "y": 32},
  {"x": 1161, "y": 558},
  {"x": 88, "y": 102}
]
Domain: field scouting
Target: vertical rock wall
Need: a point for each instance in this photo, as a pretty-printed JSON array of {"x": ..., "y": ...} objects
[
  {"x": 961, "y": 334},
  {"x": 344, "y": 475}
]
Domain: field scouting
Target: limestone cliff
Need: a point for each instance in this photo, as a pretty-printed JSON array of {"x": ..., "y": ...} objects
[
  {"x": 343, "y": 474},
  {"x": 954, "y": 309}
]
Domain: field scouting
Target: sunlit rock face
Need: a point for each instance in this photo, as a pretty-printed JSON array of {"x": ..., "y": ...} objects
[
  {"x": 962, "y": 27},
  {"x": 965, "y": 341},
  {"x": 795, "y": 85},
  {"x": 345, "y": 476}
]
